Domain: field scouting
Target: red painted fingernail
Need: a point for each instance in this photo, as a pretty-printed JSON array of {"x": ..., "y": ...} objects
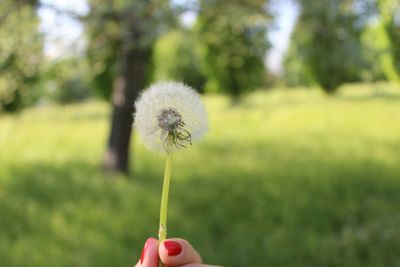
[
  {"x": 144, "y": 251},
  {"x": 173, "y": 248}
]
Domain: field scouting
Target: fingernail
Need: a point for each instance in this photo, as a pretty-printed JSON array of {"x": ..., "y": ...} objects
[
  {"x": 144, "y": 251},
  {"x": 173, "y": 248}
]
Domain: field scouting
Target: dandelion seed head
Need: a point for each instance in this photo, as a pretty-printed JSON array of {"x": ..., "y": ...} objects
[
  {"x": 169, "y": 110},
  {"x": 169, "y": 119}
]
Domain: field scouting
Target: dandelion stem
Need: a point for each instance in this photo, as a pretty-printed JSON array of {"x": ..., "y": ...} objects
[{"x": 162, "y": 233}]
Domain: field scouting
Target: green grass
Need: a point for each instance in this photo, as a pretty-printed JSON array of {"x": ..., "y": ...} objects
[{"x": 287, "y": 178}]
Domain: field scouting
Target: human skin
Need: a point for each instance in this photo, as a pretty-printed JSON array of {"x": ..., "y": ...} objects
[{"x": 174, "y": 252}]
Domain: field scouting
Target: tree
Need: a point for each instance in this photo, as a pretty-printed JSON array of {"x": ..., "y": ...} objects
[
  {"x": 296, "y": 71},
  {"x": 233, "y": 39},
  {"x": 176, "y": 58},
  {"x": 66, "y": 80},
  {"x": 376, "y": 53},
  {"x": 390, "y": 23},
  {"x": 20, "y": 53},
  {"x": 330, "y": 43},
  {"x": 121, "y": 38}
]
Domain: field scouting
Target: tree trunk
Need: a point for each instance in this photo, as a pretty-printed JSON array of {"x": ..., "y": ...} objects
[{"x": 131, "y": 80}]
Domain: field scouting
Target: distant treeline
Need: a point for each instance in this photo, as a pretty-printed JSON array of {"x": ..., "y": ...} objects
[{"x": 132, "y": 43}]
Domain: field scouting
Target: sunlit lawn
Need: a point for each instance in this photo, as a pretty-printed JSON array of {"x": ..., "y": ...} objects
[{"x": 287, "y": 178}]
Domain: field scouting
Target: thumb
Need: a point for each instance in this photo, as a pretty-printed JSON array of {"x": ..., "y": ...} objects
[{"x": 176, "y": 252}]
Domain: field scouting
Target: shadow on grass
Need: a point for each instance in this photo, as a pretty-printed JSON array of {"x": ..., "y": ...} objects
[
  {"x": 337, "y": 213},
  {"x": 286, "y": 219},
  {"x": 72, "y": 215}
]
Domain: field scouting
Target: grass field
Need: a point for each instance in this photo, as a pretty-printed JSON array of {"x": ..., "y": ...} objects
[{"x": 287, "y": 178}]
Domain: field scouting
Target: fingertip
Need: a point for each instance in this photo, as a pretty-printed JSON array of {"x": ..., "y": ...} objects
[
  {"x": 176, "y": 251},
  {"x": 149, "y": 256}
]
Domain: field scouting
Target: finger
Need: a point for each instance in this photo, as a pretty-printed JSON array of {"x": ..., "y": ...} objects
[
  {"x": 176, "y": 252},
  {"x": 149, "y": 257}
]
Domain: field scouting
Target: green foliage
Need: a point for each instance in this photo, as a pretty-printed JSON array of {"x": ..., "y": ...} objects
[
  {"x": 233, "y": 44},
  {"x": 390, "y": 23},
  {"x": 296, "y": 71},
  {"x": 376, "y": 52},
  {"x": 175, "y": 58},
  {"x": 327, "y": 39},
  {"x": 314, "y": 183},
  {"x": 104, "y": 44},
  {"x": 20, "y": 55},
  {"x": 66, "y": 80}
]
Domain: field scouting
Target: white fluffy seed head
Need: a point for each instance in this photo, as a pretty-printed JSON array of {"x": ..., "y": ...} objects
[{"x": 167, "y": 107}]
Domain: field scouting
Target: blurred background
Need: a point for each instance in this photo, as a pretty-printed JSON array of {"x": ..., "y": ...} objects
[{"x": 301, "y": 163}]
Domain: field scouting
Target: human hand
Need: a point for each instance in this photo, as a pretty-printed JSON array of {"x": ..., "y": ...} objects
[{"x": 174, "y": 252}]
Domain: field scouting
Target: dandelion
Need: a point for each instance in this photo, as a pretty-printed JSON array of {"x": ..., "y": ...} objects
[{"x": 169, "y": 116}]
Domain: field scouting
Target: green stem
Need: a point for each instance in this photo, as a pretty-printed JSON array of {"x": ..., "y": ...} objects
[{"x": 162, "y": 233}]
